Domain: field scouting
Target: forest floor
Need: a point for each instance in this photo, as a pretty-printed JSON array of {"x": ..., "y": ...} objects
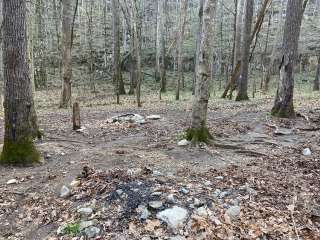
[{"x": 255, "y": 182}]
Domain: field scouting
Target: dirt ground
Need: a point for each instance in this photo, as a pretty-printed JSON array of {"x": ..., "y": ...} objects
[{"x": 246, "y": 136}]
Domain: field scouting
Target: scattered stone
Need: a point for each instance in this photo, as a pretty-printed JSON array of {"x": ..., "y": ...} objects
[
  {"x": 86, "y": 224},
  {"x": 134, "y": 171},
  {"x": 145, "y": 214},
  {"x": 156, "y": 173},
  {"x": 153, "y": 117},
  {"x": 12, "y": 181},
  {"x": 184, "y": 190},
  {"x": 61, "y": 229},
  {"x": 155, "y": 204},
  {"x": 207, "y": 183},
  {"x": 130, "y": 118},
  {"x": 177, "y": 238},
  {"x": 65, "y": 192},
  {"x": 119, "y": 192},
  {"x": 224, "y": 194},
  {"x": 306, "y": 152},
  {"x": 219, "y": 177},
  {"x": 216, "y": 193},
  {"x": 75, "y": 183},
  {"x": 85, "y": 212},
  {"x": 233, "y": 212},
  {"x": 156, "y": 194},
  {"x": 183, "y": 142},
  {"x": 202, "y": 212},
  {"x": 174, "y": 217},
  {"x": 92, "y": 232},
  {"x": 171, "y": 198}
]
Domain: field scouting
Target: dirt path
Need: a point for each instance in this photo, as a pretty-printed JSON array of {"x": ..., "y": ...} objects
[{"x": 245, "y": 133}]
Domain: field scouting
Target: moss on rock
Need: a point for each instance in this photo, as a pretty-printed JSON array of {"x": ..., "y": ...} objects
[{"x": 20, "y": 153}]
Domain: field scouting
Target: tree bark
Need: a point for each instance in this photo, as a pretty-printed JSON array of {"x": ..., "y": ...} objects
[
  {"x": 20, "y": 117},
  {"x": 243, "y": 78},
  {"x": 161, "y": 45},
  {"x": 76, "y": 116},
  {"x": 316, "y": 83},
  {"x": 65, "y": 101},
  {"x": 198, "y": 131},
  {"x": 117, "y": 76},
  {"x": 182, "y": 24},
  {"x": 283, "y": 105},
  {"x": 136, "y": 25}
]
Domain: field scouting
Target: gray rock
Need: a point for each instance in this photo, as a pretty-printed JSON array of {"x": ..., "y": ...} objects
[
  {"x": 85, "y": 212},
  {"x": 12, "y": 181},
  {"x": 174, "y": 217},
  {"x": 219, "y": 177},
  {"x": 177, "y": 238},
  {"x": 155, "y": 204},
  {"x": 145, "y": 214},
  {"x": 224, "y": 194},
  {"x": 65, "y": 192},
  {"x": 184, "y": 190},
  {"x": 92, "y": 232},
  {"x": 183, "y": 142},
  {"x": 61, "y": 229},
  {"x": 119, "y": 192},
  {"x": 86, "y": 224},
  {"x": 156, "y": 173},
  {"x": 216, "y": 193},
  {"x": 156, "y": 194},
  {"x": 306, "y": 152},
  {"x": 233, "y": 212},
  {"x": 171, "y": 198},
  {"x": 202, "y": 212},
  {"x": 154, "y": 117}
]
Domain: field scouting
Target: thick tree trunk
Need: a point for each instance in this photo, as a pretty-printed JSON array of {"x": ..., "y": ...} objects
[
  {"x": 243, "y": 78},
  {"x": 65, "y": 101},
  {"x": 316, "y": 83},
  {"x": 198, "y": 131},
  {"x": 283, "y": 105},
  {"x": 182, "y": 24},
  {"x": 117, "y": 76},
  {"x": 20, "y": 118},
  {"x": 239, "y": 23}
]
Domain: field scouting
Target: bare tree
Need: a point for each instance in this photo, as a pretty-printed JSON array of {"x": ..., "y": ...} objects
[
  {"x": 316, "y": 84},
  {"x": 243, "y": 78},
  {"x": 199, "y": 131},
  {"x": 283, "y": 105},
  {"x": 65, "y": 101},
  {"x": 20, "y": 117},
  {"x": 182, "y": 25}
]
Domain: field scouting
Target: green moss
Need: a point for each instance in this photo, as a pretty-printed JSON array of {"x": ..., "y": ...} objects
[
  {"x": 196, "y": 135},
  {"x": 21, "y": 153},
  {"x": 72, "y": 229}
]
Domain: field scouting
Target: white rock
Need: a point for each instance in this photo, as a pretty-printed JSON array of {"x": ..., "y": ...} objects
[
  {"x": 92, "y": 232},
  {"x": 75, "y": 183},
  {"x": 145, "y": 214},
  {"x": 174, "y": 217},
  {"x": 171, "y": 198},
  {"x": 61, "y": 229},
  {"x": 183, "y": 142},
  {"x": 233, "y": 212},
  {"x": 153, "y": 117},
  {"x": 85, "y": 212},
  {"x": 155, "y": 204},
  {"x": 65, "y": 192},
  {"x": 177, "y": 238},
  {"x": 12, "y": 181},
  {"x": 202, "y": 212},
  {"x": 306, "y": 152}
]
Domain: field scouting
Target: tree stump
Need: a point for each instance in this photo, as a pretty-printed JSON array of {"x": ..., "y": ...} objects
[{"x": 76, "y": 116}]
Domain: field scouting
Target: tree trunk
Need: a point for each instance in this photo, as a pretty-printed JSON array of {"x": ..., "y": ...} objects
[
  {"x": 239, "y": 23},
  {"x": 316, "y": 85},
  {"x": 198, "y": 131},
  {"x": 20, "y": 117},
  {"x": 243, "y": 78},
  {"x": 197, "y": 45},
  {"x": 65, "y": 101},
  {"x": 117, "y": 76},
  {"x": 161, "y": 45},
  {"x": 76, "y": 116},
  {"x": 182, "y": 24},
  {"x": 283, "y": 105},
  {"x": 40, "y": 60},
  {"x": 136, "y": 25}
]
